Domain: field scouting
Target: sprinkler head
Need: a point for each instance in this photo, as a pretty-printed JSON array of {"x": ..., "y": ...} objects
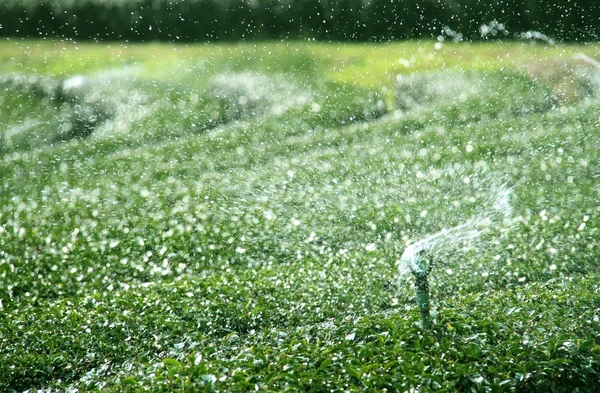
[{"x": 421, "y": 266}]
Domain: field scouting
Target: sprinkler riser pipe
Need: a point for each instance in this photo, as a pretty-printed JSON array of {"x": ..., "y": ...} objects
[
  {"x": 420, "y": 267},
  {"x": 422, "y": 295}
]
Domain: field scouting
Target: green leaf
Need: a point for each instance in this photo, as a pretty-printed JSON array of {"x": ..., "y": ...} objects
[
  {"x": 445, "y": 343},
  {"x": 391, "y": 364},
  {"x": 171, "y": 362},
  {"x": 560, "y": 362},
  {"x": 325, "y": 363},
  {"x": 129, "y": 380},
  {"x": 587, "y": 344},
  {"x": 354, "y": 372}
]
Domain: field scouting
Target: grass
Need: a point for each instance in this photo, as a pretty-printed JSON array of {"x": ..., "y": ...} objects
[{"x": 230, "y": 217}]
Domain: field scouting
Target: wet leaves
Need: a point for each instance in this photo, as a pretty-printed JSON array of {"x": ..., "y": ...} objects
[{"x": 258, "y": 250}]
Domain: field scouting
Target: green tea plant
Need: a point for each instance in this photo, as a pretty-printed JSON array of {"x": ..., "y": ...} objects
[{"x": 234, "y": 219}]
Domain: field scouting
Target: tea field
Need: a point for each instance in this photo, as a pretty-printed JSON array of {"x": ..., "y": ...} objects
[{"x": 228, "y": 218}]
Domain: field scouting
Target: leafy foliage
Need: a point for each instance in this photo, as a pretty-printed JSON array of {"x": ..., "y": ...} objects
[{"x": 213, "y": 233}]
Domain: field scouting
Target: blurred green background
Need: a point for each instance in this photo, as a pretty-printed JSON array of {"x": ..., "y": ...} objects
[{"x": 354, "y": 20}]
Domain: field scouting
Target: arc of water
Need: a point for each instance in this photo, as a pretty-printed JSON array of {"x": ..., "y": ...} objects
[{"x": 448, "y": 237}]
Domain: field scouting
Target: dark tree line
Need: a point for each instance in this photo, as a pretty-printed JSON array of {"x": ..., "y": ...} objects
[{"x": 354, "y": 20}]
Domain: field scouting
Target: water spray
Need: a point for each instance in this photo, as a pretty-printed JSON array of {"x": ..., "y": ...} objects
[{"x": 418, "y": 257}]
